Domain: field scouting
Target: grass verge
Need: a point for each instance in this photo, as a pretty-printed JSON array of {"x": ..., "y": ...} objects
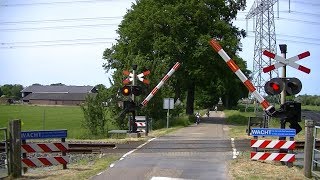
[{"x": 243, "y": 168}]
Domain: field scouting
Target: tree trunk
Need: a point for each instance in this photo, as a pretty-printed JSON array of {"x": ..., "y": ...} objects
[
  {"x": 190, "y": 98},
  {"x": 226, "y": 103}
]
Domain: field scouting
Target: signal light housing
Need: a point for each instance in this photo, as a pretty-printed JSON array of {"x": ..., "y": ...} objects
[
  {"x": 276, "y": 85},
  {"x": 293, "y": 86},
  {"x": 128, "y": 90}
]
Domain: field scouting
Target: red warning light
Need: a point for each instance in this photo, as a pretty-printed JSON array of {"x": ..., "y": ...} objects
[{"x": 275, "y": 86}]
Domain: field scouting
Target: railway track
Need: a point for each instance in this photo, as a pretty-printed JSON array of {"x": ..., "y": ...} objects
[
  {"x": 87, "y": 148},
  {"x": 82, "y": 148}
]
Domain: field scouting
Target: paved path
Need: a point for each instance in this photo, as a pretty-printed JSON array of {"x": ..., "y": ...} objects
[{"x": 195, "y": 152}]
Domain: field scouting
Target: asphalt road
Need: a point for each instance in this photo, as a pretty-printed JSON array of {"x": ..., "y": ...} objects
[{"x": 195, "y": 152}]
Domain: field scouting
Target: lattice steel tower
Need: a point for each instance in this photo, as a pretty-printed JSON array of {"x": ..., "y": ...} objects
[{"x": 265, "y": 39}]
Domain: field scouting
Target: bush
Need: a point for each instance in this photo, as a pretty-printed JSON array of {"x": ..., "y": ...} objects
[{"x": 180, "y": 121}]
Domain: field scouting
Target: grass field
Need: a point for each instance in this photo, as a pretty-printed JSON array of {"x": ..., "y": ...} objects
[
  {"x": 44, "y": 118},
  {"x": 238, "y": 123}
]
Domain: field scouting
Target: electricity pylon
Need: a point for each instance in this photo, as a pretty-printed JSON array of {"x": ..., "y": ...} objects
[{"x": 265, "y": 39}]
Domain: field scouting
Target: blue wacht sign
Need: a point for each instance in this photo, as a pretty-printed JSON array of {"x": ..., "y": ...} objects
[
  {"x": 273, "y": 132},
  {"x": 43, "y": 134}
]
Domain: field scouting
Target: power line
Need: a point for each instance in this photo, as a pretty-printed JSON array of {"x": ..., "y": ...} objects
[
  {"x": 55, "y": 41},
  {"x": 291, "y": 12},
  {"x": 306, "y": 3},
  {"x": 304, "y": 13},
  {"x": 61, "y": 20},
  {"x": 292, "y": 36},
  {"x": 289, "y": 19},
  {"x": 295, "y": 41},
  {"x": 58, "y": 27},
  {"x": 58, "y": 44},
  {"x": 56, "y": 3}
]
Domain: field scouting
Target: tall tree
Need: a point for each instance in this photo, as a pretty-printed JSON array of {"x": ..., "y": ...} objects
[
  {"x": 156, "y": 33},
  {"x": 12, "y": 91}
]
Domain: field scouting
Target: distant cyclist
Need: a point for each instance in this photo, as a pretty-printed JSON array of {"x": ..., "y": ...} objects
[
  {"x": 197, "y": 118},
  {"x": 208, "y": 112}
]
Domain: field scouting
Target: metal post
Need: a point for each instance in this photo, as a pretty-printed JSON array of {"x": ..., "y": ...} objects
[
  {"x": 168, "y": 114},
  {"x": 134, "y": 127},
  {"x": 15, "y": 147},
  {"x": 147, "y": 126},
  {"x": 283, "y": 49},
  {"x": 134, "y": 68},
  {"x": 308, "y": 146}
]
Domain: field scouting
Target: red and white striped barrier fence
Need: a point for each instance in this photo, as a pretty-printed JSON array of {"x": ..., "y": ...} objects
[
  {"x": 266, "y": 156},
  {"x": 163, "y": 80},
  {"x": 235, "y": 68},
  {"x": 43, "y": 147},
  {"x": 273, "y": 144},
  {"x": 140, "y": 124},
  {"x": 47, "y": 161}
]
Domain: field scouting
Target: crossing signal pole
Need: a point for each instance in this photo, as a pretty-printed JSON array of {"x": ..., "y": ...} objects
[
  {"x": 290, "y": 86},
  {"x": 283, "y": 49}
]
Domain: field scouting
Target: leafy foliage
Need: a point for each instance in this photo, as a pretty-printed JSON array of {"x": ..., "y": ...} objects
[
  {"x": 154, "y": 34},
  {"x": 96, "y": 115},
  {"x": 11, "y": 91},
  {"x": 308, "y": 100}
]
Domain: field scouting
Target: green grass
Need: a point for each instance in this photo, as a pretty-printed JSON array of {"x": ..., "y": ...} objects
[
  {"x": 311, "y": 108},
  {"x": 44, "y": 118},
  {"x": 238, "y": 123}
]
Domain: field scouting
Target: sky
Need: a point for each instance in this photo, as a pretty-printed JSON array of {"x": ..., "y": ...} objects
[{"x": 62, "y": 41}]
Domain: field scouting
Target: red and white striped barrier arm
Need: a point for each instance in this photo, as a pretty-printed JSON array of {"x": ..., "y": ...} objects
[
  {"x": 44, "y": 147},
  {"x": 275, "y": 144},
  {"x": 265, "y": 156},
  {"x": 164, "y": 79},
  {"x": 283, "y": 61},
  {"x": 47, "y": 161},
  {"x": 235, "y": 68}
]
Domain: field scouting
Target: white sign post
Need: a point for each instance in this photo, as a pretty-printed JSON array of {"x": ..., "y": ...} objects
[{"x": 168, "y": 103}]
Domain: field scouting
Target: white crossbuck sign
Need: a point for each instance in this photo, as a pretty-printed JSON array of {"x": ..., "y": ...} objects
[
  {"x": 140, "y": 77},
  {"x": 282, "y": 61}
]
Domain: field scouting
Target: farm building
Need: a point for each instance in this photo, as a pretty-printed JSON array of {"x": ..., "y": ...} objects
[{"x": 56, "y": 95}]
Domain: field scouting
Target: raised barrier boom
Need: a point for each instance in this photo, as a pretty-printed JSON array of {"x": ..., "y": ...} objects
[{"x": 235, "y": 68}]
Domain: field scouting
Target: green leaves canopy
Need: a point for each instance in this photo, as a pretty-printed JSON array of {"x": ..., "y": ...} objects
[{"x": 154, "y": 34}]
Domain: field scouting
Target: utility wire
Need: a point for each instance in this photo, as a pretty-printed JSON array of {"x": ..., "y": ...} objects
[
  {"x": 57, "y": 3},
  {"x": 109, "y": 42},
  {"x": 55, "y": 41},
  {"x": 114, "y": 38},
  {"x": 289, "y": 19},
  {"x": 61, "y": 20},
  {"x": 289, "y": 36},
  {"x": 295, "y": 41},
  {"x": 305, "y": 3},
  {"x": 58, "y": 44},
  {"x": 58, "y": 27}
]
